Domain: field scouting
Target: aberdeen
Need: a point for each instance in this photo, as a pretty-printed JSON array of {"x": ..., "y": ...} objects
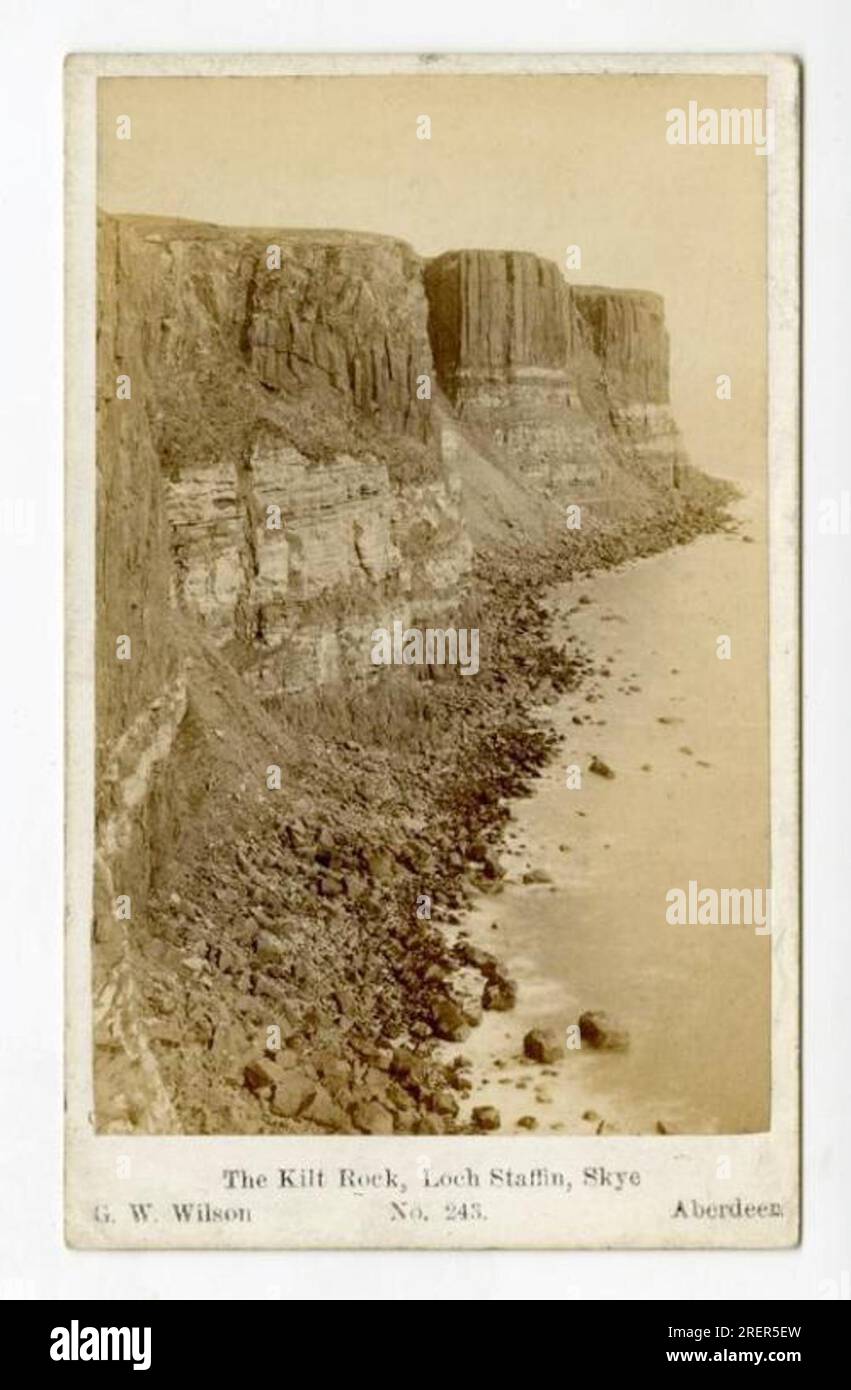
[{"x": 737, "y": 1210}]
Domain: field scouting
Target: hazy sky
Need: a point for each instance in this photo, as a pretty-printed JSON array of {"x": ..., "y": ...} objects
[{"x": 527, "y": 163}]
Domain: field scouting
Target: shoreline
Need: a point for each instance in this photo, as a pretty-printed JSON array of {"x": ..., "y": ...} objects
[{"x": 572, "y": 840}]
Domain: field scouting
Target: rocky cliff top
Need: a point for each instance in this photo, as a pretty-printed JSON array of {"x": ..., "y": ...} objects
[{"x": 186, "y": 228}]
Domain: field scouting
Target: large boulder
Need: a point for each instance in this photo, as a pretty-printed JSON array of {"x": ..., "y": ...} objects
[
  {"x": 486, "y": 1118},
  {"x": 293, "y": 1092},
  {"x": 599, "y": 1031},
  {"x": 543, "y": 1045},
  {"x": 499, "y": 995},
  {"x": 449, "y": 1021},
  {"x": 372, "y": 1118}
]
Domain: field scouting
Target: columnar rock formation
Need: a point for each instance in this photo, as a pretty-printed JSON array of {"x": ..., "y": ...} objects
[
  {"x": 501, "y": 332},
  {"x": 493, "y": 312},
  {"x": 624, "y": 332},
  {"x": 552, "y": 377},
  {"x": 345, "y": 312}
]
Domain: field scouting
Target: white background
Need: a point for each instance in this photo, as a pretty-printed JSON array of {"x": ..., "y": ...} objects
[{"x": 35, "y": 39}]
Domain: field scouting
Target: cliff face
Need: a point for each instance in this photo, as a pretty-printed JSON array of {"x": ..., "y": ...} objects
[
  {"x": 622, "y": 337},
  {"x": 342, "y": 312},
  {"x": 266, "y": 472},
  {"x": 501, "y": 329},
  {"x": 293, "y": 560},
  {"x": 140, "y": 696},
  {"x": 492, "y": 312},
  {"x": 557, "y": 379},
  {"x": 279, "y": 461},
  {"x": 625, "y": 331},
  {"x": 298, "y": 464},
  {"x": 274, "y": 483}
]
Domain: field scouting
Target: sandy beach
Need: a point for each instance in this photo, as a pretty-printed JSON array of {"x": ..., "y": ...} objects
[{"x": 685, "y": 734}]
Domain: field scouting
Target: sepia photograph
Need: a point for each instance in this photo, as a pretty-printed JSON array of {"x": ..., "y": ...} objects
[
  {"x": 424, "y": 539},
  {"x": 433, "y": 703}
]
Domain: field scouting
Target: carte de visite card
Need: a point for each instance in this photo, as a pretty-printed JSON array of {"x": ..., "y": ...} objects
[{"x": 432, "y": 643}]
